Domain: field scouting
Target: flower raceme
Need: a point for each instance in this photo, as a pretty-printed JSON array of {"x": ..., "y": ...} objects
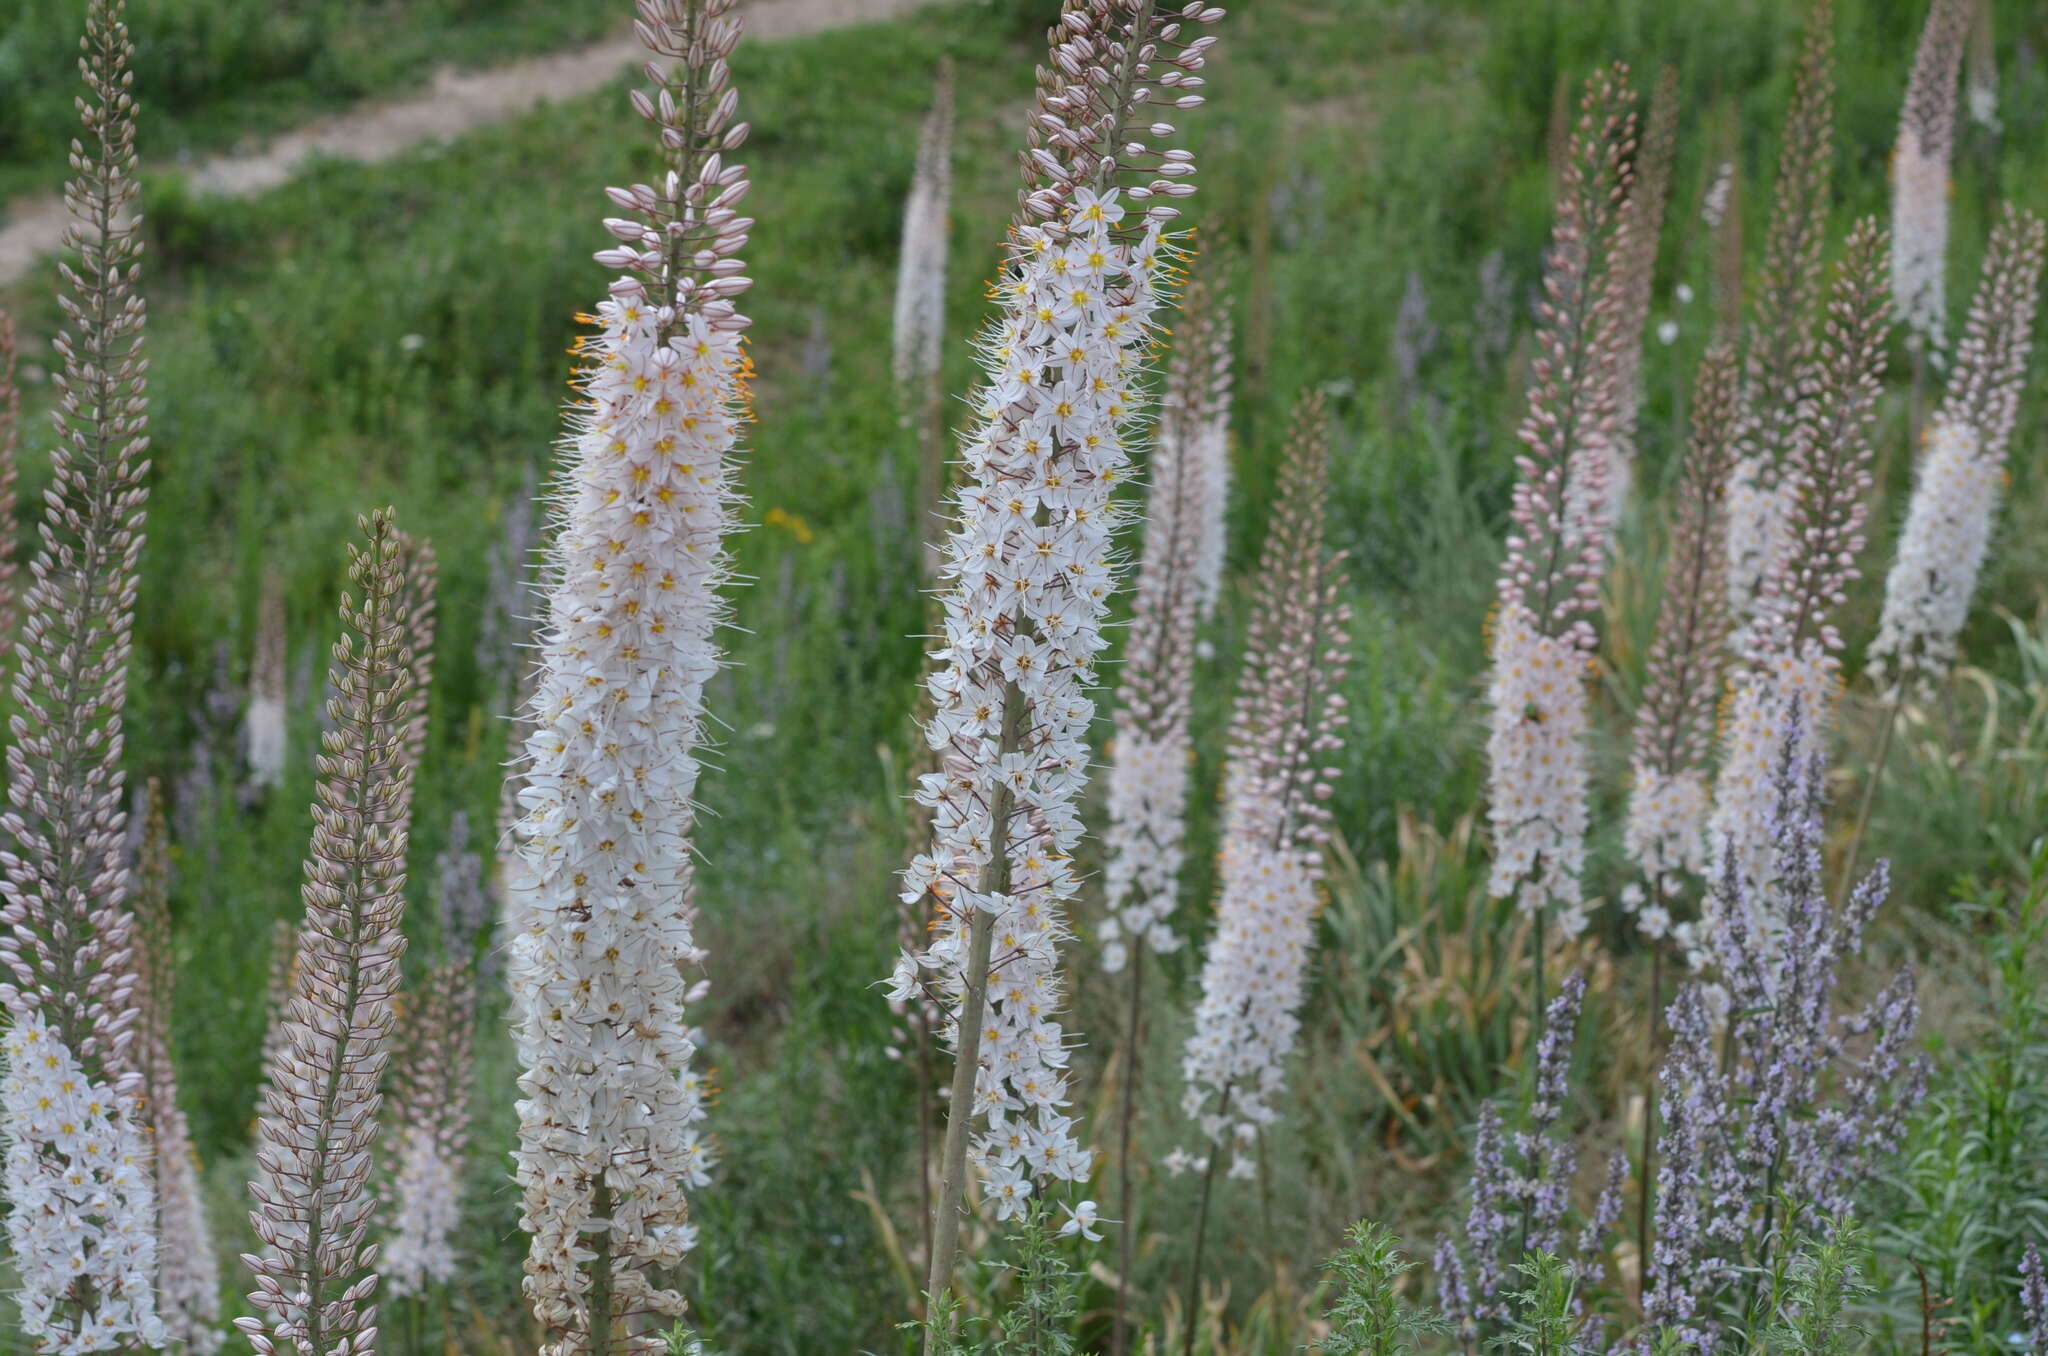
[
  {"x": 609, "y": 1134},
  {"x": 1958, "y": 480},
  {"x": 1669, "y": 791},
  {"x": 1549, "y": 583},
  {"x": 315, "y": 1275},
  {"x": 1781, "y": 322},
  {"x": 1920, "y": 168},
  {"x": 83, "y": 1226},
  {"x": 1286, "y": 722},
  {"x": 1148, "y": 781},
  {"x": 188, "y": 1276},
  {"x": 1031, "y": 574},
  {"x": 1028, "y": 573},
  {"x": 1792, "y": 650}
]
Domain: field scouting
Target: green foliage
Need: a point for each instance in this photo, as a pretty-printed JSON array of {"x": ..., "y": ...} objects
[
  {"x": 208, "y": 73},
  {"x": 1972, "y": 1185},
  {"x": 1545, "y": 1319},
  {"x": 1369, "y": 1316},
  {"x": 1817, "y": 1293},
  {"x": 1040, "y": 1301}
]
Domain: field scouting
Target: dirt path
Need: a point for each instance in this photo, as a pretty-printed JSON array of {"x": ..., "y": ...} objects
[{"x": 457, "y": 102}]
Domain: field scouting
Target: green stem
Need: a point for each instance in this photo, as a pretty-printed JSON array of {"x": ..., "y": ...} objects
[
  {"x": 1133, "y": 1043},
  {"x": 1187, "y": 1345},
  {"x": 973, "y": 1000},
  {"x": 601, "y": 1305}
]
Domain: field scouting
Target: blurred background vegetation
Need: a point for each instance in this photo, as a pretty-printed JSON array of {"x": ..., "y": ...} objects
[{"x": 397, "y": 334}]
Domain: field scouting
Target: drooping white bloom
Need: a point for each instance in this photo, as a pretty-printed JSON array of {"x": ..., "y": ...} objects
[
  {"x": 82, "y": 1217},
  {"x": 1948, "y": 528},
  {"x": 1538, "y": 756},
  {"x": 1920, "y": 169},
  {"x": 609, "y": 1133},
  {"x": 1959, "y": 478},
  {"x": 1148, "y": 781},
  {"x": 1920, "y": 240},
  {"x": 1667, "y": 821}
]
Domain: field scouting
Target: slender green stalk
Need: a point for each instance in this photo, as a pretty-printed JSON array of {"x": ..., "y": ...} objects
[
  {"x": 1127, "y": 1116},
  {"x": 973, "y": 1000},
  {"x": 1187, "y": 1345}
]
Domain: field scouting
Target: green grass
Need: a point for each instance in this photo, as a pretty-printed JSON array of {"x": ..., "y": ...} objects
[
  {"x": 1348, "y": 144},
  {"x": 210, "y": 74}
]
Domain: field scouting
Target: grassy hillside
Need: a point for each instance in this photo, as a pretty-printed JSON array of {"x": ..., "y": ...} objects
[{"x": 397, "y": 334}]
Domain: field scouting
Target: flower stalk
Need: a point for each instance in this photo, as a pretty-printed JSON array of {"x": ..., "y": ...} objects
[
  {"x": 83, "y": 1228},
  {"x": 1028, "y": 573},
  {"x": 315, "y": 1276},
  {"x": 600, "y": 888}
]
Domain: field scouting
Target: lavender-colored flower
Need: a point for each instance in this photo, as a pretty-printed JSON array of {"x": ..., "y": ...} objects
[
  {"x": 1798, "y": 1098},
  {"x": 1521, "y": 1181},
  {"x": 2034, "y": 1297}
]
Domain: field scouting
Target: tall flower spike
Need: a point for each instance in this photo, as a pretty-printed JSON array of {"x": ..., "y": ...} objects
[
  {"x": 263, "y": 722},
  {"x": 430, "y": 1122},
  {"x": 1549, "y": 584},
  {"x": 419, "y": 573},
  {"x": 86, "y": 1255},
  {"x": 10, "y": 468},
  {"x": 314, "y": 1277},
  {"x": 188, "y": 1275},
  {"x": 1793, "y": 649},
  {"x": 1286, "y": 724},
  {"x": 1148, "y": 779},
  {"x": 1980, "y": 78},
  {"x": 608, "y": 1126},
  {"x": 1920, "y": 168},
  {"x": 920, "y": 321},
  {"x": 277, "y": 1003},
  {"x": 1669, "y": 792},
  {"x": 1029, "y": 570},
  {"x": 1633, "y": 276},
  {"x": 1781, "y": 322},
  {"x": 1958, "y": 480}
]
